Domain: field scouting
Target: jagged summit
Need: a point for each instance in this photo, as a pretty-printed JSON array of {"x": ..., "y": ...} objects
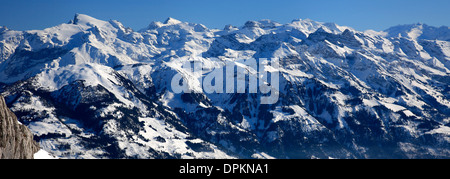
[
  {"x": 265, "y": 23},
  {"x": 82, "y": 19},
  {"x": 419, "y": 31},
  {"x": 171, "y": 21},
  {"x": 157, "y": 24},
  {"x": 229, "y": 27}
]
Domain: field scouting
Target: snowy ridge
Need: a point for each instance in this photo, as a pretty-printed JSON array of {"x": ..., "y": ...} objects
[
  {"x": 97, "y": 89},
  {"x": 419, "y": 31}
]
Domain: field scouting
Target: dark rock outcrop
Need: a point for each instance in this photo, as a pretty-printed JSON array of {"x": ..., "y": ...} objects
[{"x": 16, "y": 140}]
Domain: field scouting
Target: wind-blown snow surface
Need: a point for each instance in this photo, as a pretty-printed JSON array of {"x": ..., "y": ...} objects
[{"x": 96, "y": 89}]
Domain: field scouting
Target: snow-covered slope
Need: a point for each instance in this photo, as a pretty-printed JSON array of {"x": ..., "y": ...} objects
[
  {"x": 96, "y": 89},
  {"x": 420, "y": 31}
]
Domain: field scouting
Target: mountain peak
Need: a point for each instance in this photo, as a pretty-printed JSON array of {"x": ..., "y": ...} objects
[
  {"x": 251, "y": 24},
  {"x": 419, "y": 31},
  {"x": 322, "y": 30},
  {"x": 420, "y": 24},
  {"x": 82, "y": 19},
  {"x": 229, "y": 27},
  {"x": 171, "y": 21},
  {"x": 264, "y": 23},
  {"x": 158, "y": 24},
  {"x": 3, "y": 28}
]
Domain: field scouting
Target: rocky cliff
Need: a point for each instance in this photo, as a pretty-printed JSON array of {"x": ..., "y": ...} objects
[{"x": 16, "y": 140}]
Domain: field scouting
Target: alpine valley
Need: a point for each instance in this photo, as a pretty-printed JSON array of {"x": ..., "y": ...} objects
[{"x": 95, "y": 89}]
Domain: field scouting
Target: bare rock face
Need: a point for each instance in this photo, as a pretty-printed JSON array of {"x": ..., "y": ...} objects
[{"x": 16, "y": 140}]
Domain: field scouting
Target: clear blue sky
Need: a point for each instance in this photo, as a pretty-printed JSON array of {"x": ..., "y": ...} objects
[{"x": 137, "y": 14}]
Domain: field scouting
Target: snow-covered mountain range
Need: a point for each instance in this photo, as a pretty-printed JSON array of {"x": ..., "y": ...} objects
[{"x": 95, "y": 89}]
